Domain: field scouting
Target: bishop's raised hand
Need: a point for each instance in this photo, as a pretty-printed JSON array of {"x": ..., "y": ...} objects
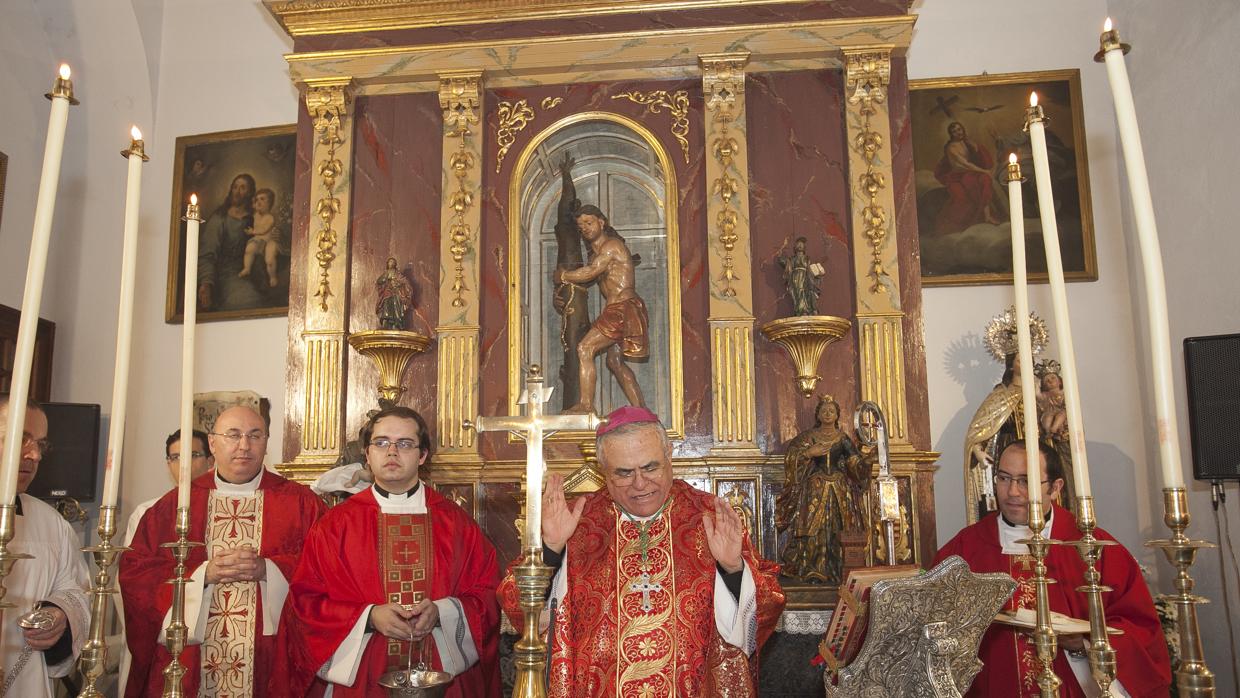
[
  {"x": 725, "y": 535},
  {"x": 559, "y": 520}
]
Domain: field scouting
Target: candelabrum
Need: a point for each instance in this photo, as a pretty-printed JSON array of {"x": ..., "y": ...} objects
[
  {"x": 1193, "y": 678},
  {"x": 805, "y": 337},
  {"x": 1101, "y": 654},
  {"x": 178, "y": 631},
  {"x": 532, "y": 578},
  {"x": 1043, "y": 632},
  {"x": 7, "y": 557},
  {"x": 93, "y": 660}
]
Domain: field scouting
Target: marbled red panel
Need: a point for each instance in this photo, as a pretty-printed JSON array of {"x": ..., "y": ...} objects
[
  {"x": 493, "y": 249},
  {"x": 295, "y": 380},
  {"x": 798, "y": 187},
  {"x": 501, "y": 503},
  {"x": 915, "y": 385},
  {"x": 633, "y": 21},
  {"x": 397, "y": 153}
]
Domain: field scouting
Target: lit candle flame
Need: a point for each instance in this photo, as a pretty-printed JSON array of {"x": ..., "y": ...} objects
[
  {"x": 1033, "y": 99},
  {"x": 1106, "y": 26},
  {"x": 1012, "y": 158},
  {"x": 64, "y": 71},
  {"x": 137, "y": 135},
  {"x": 193, "y": 199}
]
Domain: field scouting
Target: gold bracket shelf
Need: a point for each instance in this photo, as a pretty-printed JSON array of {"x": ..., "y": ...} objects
[
  {"x": 391, "y": 351},
  {"x": 805, "y": 337}
]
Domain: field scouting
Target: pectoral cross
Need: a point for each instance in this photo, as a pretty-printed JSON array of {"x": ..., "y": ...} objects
[
  {"x": 645, "y": 587},
  {"x": 534, "y": 427}
]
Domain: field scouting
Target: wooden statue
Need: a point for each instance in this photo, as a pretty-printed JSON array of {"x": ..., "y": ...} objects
[{"x": 395, "y": 297}]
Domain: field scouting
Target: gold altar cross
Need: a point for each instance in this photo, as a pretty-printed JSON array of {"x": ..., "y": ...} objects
[
  {"x": 533, "y": 428},
  {"x": 645, "y": 587}
]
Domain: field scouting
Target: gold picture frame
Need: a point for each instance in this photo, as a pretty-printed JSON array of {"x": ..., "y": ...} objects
[
  {"x": 210, "y": 165},
  {"x": 963, "y": 219},
  {"x": 673, "y": 419}
]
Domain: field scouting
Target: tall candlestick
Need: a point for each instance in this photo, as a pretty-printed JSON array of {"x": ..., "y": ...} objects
[
  {"x": 192, "y": 221},
  {"x": 1035, "y": 123},
  {"x": 23, "y": 359},
  {"x": 1112, "y": 53},
  {"x": 136, "y": 155},
  {"x": 1024, "y": 343}
]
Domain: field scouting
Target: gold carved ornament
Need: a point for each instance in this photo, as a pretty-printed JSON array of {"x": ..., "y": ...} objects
[
  {"x": 723, "y": 79},
  {"x": 458, "y": 96},
  {"x": 328, "y": 106},
  {"x": 866, "y": 75},
  {"x": 513, "y": 118},
  {"x": 676, "y": 103}
]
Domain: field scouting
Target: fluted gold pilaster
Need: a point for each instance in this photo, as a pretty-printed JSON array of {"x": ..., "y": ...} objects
[
  {"x": 322, "y": 433},
  {"x": 881, "y": 337},
  {"x": 457, "y": 395},
  {"x": 731, "y": 350}
]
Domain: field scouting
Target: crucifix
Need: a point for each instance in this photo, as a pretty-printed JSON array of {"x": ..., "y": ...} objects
[
  {"x": 532, "y": 575},
  {"x": 645, "y": 587}
]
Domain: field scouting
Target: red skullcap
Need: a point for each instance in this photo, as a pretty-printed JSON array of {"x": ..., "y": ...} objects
[{"x": 626, "y": 415}]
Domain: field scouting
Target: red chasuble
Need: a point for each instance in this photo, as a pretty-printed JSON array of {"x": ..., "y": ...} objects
[
  {"x": 358, "y": 556},
  {"x": 1009, "y": 655},
  {"x": 644, "y": 626},
  {"x": 235, "y": 656}
]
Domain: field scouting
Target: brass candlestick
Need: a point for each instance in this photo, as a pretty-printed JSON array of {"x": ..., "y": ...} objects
[
  {"x": 178, "y": 631},
  {"x": 1043, "y": 633},
  {"x": 7, "y": 558},
  {"x": 1101, "y": 654},
  {"x": 93, "y": 660},
  {"x": 1193, "y": 679},
  {"x": 532, "y": 578}
]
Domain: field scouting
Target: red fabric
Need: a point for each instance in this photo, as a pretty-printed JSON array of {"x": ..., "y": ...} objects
[
  {"x": 339, "y": 576},
  {"x": 625, "y": 322},
  {"x": 289, "y": 509},
  {"x": 968, "y": 192},
  {"x": 628, "y": 414},
  {"x": 1141, "y": 652},
  {"x": 584, "y": 662}
]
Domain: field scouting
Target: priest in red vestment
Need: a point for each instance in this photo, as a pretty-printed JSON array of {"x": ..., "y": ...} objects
[
  {"x": 1007, "y": 653},
  {"x": 253, "y": 523},
  {"x": 393, "y": 570},
  {"x": 656, "y": 592}
]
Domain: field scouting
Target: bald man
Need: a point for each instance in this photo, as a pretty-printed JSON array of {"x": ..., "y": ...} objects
[{"x": 253, "y": 523}]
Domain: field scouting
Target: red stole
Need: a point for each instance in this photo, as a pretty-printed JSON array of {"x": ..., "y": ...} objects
[{"x": 405, "y": 553}]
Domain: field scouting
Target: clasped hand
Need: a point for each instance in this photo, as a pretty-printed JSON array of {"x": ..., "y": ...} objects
[
  {"x": 236, "y": 565},
  {"x": 397, "y": 622},
  {"x": 42, "y": 639}
]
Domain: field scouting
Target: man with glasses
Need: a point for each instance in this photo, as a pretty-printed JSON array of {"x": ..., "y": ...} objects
[
  {"x": 394, "y": 571},
  {"x": 54, "y": 579},
  {"x": 253, "y": 523},
  {"x": 1008, "y": 653},
  {"x": 657, "y": 590}
]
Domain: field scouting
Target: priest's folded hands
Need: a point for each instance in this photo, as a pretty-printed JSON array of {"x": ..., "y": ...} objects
[
  {"x": 403, "y": 622},
  {"x": 236, "y": 565}
]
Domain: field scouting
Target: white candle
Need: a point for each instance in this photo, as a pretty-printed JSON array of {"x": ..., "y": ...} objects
[
  {"x": 533, "y": 491},
  {"x": 124, "y": 323},
  {"x": 1059, "y": 294},
  {"x": 187, "y": 348},
  {"x": 1151, "y": 257},
  {"x": 19, "y": 385},
  {"x": 1024, "y": 342}
]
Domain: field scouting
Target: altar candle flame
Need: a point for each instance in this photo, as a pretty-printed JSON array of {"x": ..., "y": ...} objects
[
  {"x": 1107, "y": 26},
  {"x": 137, "y": 135},
  {"x": 64, "y": 71},
  {"x": 1033, "y": 99},
  {"x": 1012, "y": 158},
  {"x": 193, "y": 199}
]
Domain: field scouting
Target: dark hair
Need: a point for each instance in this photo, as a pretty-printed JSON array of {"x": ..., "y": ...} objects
[
  {"x": 1054, "y": 466},
  {"x": 176, "y": 436},
  {"x": 271, "y": 195},
  {"x": 249, "y": 203},
  {"x": 30, "y": 404},
  {"x": 400, "y": 412}
]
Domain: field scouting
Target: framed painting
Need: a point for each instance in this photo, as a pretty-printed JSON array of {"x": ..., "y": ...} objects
[
  {"x": 963, "y": 132},
  {"x": 244, "y": 183},
  {"x": 594, "y": 249}
]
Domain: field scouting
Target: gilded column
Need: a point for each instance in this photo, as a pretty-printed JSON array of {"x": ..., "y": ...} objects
[
  {"x": 876, "y": 264},
  {"x": 460, "y": 96},
  {"x": 327, "y": 285},
  {"x": 729, "y": 263}
]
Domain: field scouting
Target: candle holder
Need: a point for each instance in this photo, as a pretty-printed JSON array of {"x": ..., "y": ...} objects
[
  {"x": 177, "y": 632},
  {"x": 1109, "y": 41},
  {"x": 62, "y": 88},
  {"x": 1193, "y": 679},
  {"x": 532, "y": 578},
  {"x": 1043, "y": 632},
  {"x": 137, "y": 147},
  {"x": 93, "y": 660},
  {"x": 1033, "y": 114},
  {"x": 1101, "y": 654},
  {"x": 7, "y": 557},
  {"x": 1014, "y": 173}
]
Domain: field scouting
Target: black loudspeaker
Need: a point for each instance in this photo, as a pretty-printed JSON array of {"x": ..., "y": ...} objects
[
  {"x": 1212, "y": 372},
  {"x": 70, "y": 468}
]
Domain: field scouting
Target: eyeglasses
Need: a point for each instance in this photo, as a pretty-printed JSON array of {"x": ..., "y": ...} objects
[
  {"x": 626, "y": 475},
  {"x": 43, "y": 445},
  {"x": 235, "y": 437},
  {"x": 176, "y": 457},
  {"x": 1002, "y": 478},
  {"x": 383, "y": 444}
]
